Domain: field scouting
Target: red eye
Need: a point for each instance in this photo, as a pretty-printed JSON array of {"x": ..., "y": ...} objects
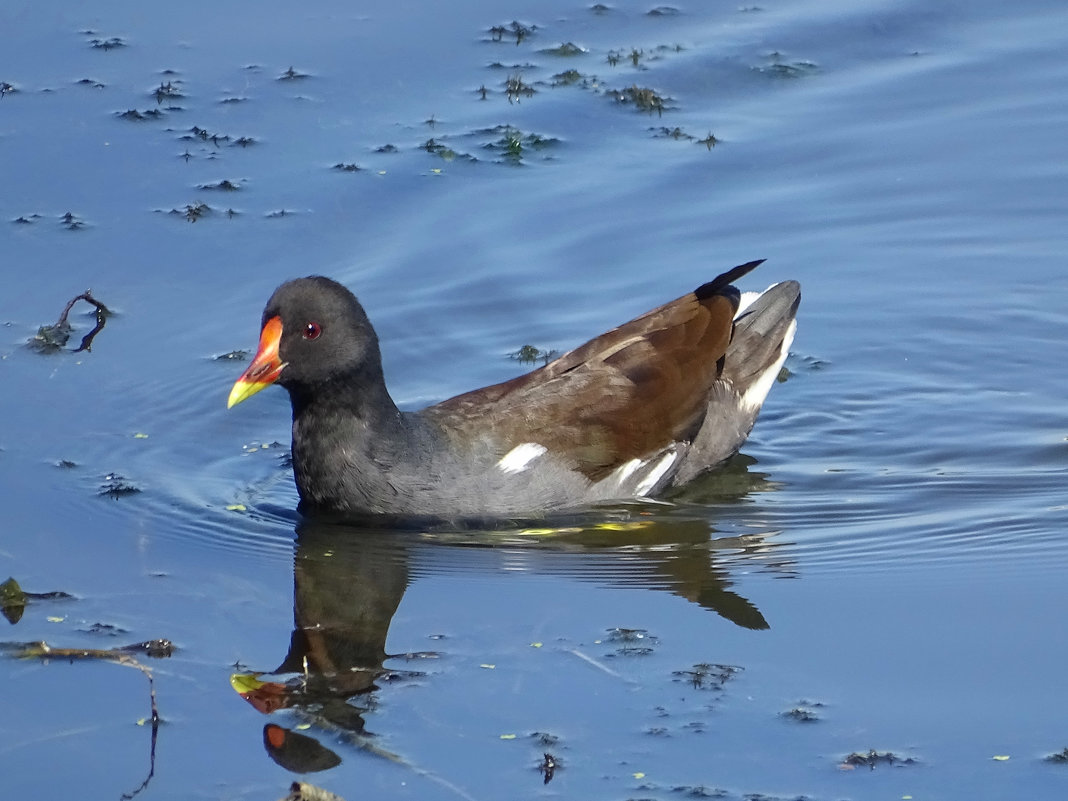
[{"x": 312, "y": 331}]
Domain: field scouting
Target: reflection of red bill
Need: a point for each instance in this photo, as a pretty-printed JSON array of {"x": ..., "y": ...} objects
[{"x": 265, "y": 696}]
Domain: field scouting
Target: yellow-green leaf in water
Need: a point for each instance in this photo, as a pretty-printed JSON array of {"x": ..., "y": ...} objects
[
  {"x": 237, "y": 507},
  {"x": 639, "y": 775},
  {"x": 139, "y": 435},
  {"x": 507, "y": 736},
  {"x": 1001, "y": 757},
  {"x": 535, "y": 645},
  {"x": 488, "y": 667},
  {"x": 627, "y": 526},
  {"x": 53, "y": 619}
]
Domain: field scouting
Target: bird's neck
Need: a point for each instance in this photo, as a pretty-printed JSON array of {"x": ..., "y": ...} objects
[{"x": 351, "y": 401}]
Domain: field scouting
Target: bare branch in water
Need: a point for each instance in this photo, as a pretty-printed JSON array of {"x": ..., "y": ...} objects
[
  {"x": 50, "y": 338},
  {"x": 121, "y": 656}
]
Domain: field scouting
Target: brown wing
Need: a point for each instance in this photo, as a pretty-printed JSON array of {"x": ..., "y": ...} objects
[{"x": 622, "y": 395}]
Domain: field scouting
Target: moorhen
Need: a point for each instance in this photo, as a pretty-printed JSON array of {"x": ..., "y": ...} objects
[{"x": 632, "y": 413}]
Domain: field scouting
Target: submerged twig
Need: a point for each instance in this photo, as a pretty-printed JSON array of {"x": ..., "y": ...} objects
[
  {"x": 54, "y": 337},
  {"x": 121, "y": 656},
  {"x": 131, "y": 662}
]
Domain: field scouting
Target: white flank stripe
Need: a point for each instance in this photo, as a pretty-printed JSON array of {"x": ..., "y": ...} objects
[
  {"x": 653, "y": 476},
  {"x": 759, "y": 389},
  {"x": 746, "y": 301},
  {"x": 519, "y": 458}
]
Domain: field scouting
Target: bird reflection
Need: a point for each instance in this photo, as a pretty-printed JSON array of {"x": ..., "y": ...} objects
[{"x": 349, "y": 582}]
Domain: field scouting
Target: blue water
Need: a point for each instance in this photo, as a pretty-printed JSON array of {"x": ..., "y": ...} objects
[{"x": 897, "y": 520}]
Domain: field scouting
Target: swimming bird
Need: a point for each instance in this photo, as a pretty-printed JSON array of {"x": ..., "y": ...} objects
[{"x": 634, "y": 412}]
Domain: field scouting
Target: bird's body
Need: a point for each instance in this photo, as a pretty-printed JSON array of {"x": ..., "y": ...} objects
[{"x": 640, "y": 409}]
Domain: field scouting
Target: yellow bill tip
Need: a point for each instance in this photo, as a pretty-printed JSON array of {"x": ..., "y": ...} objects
[{"x": 243, "y": 390}]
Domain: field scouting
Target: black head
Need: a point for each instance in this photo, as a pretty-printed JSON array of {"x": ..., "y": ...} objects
[
  {"x": 317, "y": 342},
  {"x": 325, "y": 333}
]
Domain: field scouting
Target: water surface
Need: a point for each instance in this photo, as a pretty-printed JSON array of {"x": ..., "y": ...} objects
[{"x": 887, "y": 554}]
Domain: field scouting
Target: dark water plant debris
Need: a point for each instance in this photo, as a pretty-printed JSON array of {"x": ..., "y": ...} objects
[
  {"x": 678, "y": 134},
  {"x": 515, "y": 29},
  {"x": 51, "y": 338},
  {"x": 1060, "y": 757},
  {"x": 631, "y": 642},
  {"x": 204, "y": 135},
  {"x": 116, "y": 486},
  {"x": 544, "y": 739},
  {"x": 90, "y": 83},
  {"x": 707, "y": 675},
  {"x": 111, "y": 43},
  {"x": 786, "y": 70},
  {"x": 700, "y": 791},
  {"x": 635, "y": 56},
  {"x": 166, "y": 91},
  {"x": 529, "y": 354},
  {"x": 221, "y": 186},
  {"x": 513, "y": 145},
  {"x": 643, "y": 98},
  {"x": 6, "y": 89},
  {"x": 105, "y": 630},
  {"x": 497, "y": 65},
  {"x": 565, "y": 50},
  {"x": 193, "y": 211},
  {"x": 133, "y": 115},
  {"x": 709, "y": 141},
  {"x": 302, "y": 791},
  {"x": 14, "y": 600},
  {"x": 349, "y": 167},
  {"x": 293, "y": 75},
  {"x": 548, "y": 767},
  {"x": 800, "y": 714},
  {"x": 873, "y": 758},
  {"x": 567, "y": 78},
  {"x": 516, "y": 88},
  {"x": 443, "y": 151},
  {"x": 664, "y": 132},
  {"x": 663, "y": 11}
]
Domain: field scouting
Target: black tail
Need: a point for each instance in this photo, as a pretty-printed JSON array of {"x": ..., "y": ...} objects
[{"x": 714, "y": 286}]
